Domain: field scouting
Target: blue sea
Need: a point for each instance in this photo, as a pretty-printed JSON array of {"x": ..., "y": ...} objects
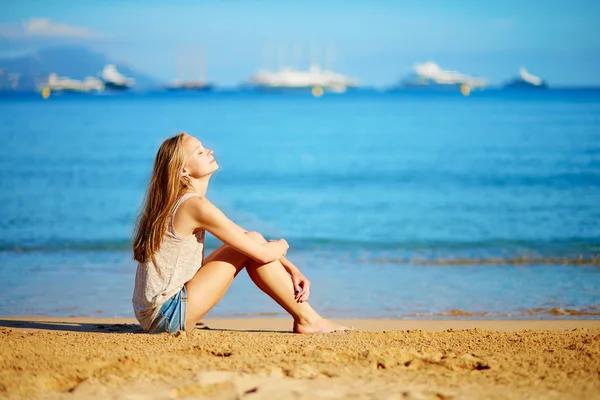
[{"x": 395, "y": 205}]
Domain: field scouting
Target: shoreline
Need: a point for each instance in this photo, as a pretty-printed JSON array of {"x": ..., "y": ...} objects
[{"x": 278, "y": 324}]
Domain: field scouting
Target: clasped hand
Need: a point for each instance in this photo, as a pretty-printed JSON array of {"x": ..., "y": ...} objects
[{"x": 301, "y": 284}]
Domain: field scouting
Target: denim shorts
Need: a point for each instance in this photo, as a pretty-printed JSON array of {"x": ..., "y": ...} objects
[{"x": 172, "y": 314}]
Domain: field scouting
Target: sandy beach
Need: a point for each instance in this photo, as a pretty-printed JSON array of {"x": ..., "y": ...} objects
[{"x": 56, "y": 358}]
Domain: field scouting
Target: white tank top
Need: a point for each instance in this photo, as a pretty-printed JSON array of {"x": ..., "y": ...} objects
[{"x": 175, "y": 263}]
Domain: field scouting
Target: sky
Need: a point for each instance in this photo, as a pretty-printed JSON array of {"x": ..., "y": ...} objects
[{"x": 376, "y": 41}]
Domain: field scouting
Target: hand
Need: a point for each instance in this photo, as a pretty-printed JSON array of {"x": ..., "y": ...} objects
[
  {"x": 284, "y": 242},
  {"x": 301, "y": 286},
  {"x": 286, "y": 245}
]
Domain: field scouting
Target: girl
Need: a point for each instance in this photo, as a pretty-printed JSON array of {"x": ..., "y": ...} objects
[{"x": 174, "y": 285}]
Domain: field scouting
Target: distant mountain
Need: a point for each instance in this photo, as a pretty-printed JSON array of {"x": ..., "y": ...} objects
[{"x": 24, "y": 72}]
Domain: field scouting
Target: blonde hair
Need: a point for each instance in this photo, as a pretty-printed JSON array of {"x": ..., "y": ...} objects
[{"x": 165, "y": 187}]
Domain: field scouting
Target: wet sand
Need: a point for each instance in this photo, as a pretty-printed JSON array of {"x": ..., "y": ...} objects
[{"x": 250, "y": 358}]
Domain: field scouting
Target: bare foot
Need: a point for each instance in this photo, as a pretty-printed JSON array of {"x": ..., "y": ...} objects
[{"x": 321, "y": 325}]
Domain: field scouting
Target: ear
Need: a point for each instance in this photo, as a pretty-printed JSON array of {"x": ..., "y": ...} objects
[{"x": 184, "y": 172}]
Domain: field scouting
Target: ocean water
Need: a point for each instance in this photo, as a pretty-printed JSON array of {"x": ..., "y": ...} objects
[{"x": 404, "y": 205}]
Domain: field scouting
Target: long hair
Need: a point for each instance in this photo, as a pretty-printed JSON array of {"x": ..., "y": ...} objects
[{"x": 165, "y": 187}]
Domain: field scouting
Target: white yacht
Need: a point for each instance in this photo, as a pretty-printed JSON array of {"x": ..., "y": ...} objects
[
  {"x": 431, "y": 75},
  {"x": 61, "y": 83},
  {"x": 526, "y": 80},
  {"x": 287, "y": 76},
  {"x": 113, "y": 79},
  {"x": 291, "y": 78}
]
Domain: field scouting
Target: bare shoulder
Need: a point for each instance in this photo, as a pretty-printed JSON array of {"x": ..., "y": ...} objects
[
  {"x": 199, "y": 208},
  {"x": 197, "y": 201}
]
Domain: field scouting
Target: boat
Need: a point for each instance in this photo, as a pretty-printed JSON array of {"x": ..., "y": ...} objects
[
  {"x": 526, "y": 80},
  {"x": 288, "y": 78},
  {"x": 64, "y": 84},
  {"x": 113, "y": 79},
  {"x": 429, "y": 75},
  {"x": 191, "y": 85}
]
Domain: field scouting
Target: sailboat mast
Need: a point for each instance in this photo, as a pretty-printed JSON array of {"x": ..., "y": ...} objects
[
  {"x": 201, "y": 66},
  {"x": 297, "y": 55},
  {"x": 179, "y": 64},
  {"x": 191, "y": 66},
  {"x": 329, "y": 57},
  {"x": 281, "y": 57}
]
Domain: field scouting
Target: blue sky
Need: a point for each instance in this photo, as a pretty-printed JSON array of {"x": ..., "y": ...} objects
[{"x": 375, "y": 41}]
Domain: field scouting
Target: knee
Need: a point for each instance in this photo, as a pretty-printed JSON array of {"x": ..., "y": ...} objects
[{"x": 257, "y": 237}]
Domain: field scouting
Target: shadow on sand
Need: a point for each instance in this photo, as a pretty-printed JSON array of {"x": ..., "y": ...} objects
[
  {"x": 103, "y": 327},
  {"x": 71, "y": 326}
]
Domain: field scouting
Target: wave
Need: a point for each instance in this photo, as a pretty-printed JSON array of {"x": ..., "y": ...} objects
[
  {"x": 591, "y": 311},
  {"x": 572, "y": 243},
  {"x": 531, "y": 312},
  {"x": 421, "y": 178},
  {"x": 568, "y": 251},
  {"x": 55, "y": 246},
  {"x": 589, "y": 260}
]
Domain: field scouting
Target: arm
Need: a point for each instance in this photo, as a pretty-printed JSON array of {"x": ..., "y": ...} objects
[
  {"x": 289, "y": 266},
  {"x": 210, "y": 218},
  {"x": 301, "y": 284},
  {"x": 257, "y": 237}
]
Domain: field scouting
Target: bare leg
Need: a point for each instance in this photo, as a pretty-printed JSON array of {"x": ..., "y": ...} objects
[
  {"x": 273, "y": 279},
  {"x": 211, "y": 282}
]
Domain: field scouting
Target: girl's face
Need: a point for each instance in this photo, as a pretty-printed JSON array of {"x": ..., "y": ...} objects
[{"x": 199, "y": 161}]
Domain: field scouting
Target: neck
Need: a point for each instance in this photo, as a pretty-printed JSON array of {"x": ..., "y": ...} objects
[{"x": 200, "y": 185}]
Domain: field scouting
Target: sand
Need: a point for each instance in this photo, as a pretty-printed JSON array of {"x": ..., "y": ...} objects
[{"x": 259, "y": 359}]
